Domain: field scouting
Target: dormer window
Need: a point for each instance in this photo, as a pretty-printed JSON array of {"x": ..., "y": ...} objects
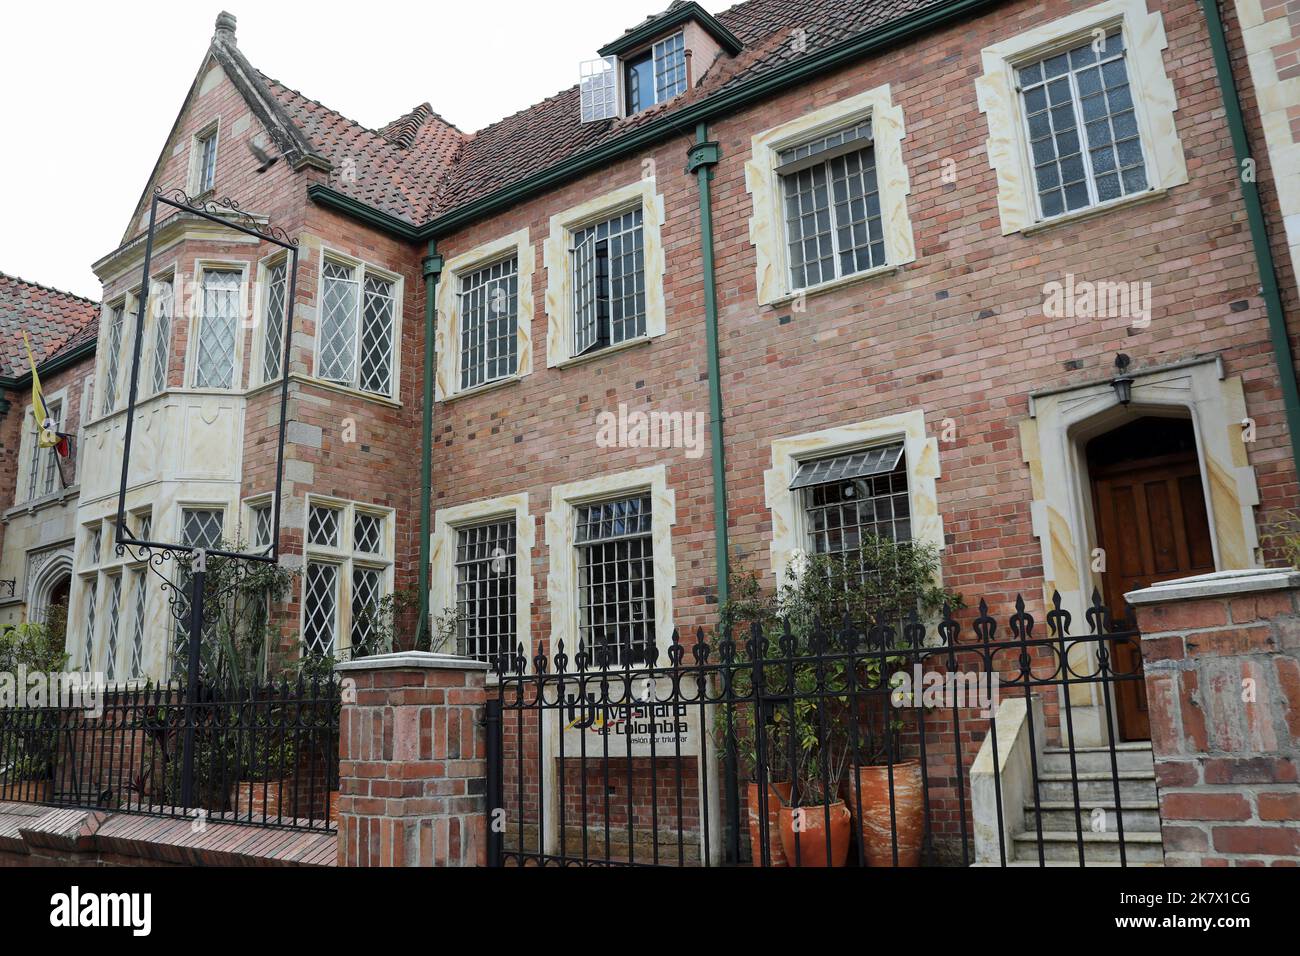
[
  {"x": 203, "y": 162},
  {"x": 657, "y": 75}
]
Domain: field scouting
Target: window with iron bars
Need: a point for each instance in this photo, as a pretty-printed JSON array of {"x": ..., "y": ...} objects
[
  {"x": 489, "y": 323},
  {"x": 354, "y": 343},
  {"x": 834, "y": 226},
  {"x": 849, "y": 498},
  {"x": 486, "y": 562},
  {"x": 42, "y": 477},
  {"x": 609, "y": 296},
  {"x": 616, "y": 581},
  {"x": 346, "y": 577},
  {"x": 1082, "y": 127}
]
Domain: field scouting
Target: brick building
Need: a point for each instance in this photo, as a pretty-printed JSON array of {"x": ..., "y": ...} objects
[{"x": 1012, "y": 278}]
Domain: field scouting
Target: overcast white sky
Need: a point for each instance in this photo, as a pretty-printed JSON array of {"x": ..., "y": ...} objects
[{"x": 89, "y": 91}]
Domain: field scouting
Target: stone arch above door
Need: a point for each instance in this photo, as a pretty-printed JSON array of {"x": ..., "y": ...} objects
[{"x": 45, "y": 569}]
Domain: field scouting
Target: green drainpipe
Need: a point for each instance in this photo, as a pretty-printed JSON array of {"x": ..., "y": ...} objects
[
  {"x": 1258, "y": 229},
  {"x": 432, "y": 270},
  {"x": 701, "y": 159}
]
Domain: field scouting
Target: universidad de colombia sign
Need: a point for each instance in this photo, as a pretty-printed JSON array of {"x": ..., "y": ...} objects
[{"x": 588, "y": 722}]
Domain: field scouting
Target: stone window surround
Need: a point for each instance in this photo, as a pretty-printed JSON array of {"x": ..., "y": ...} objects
[
  {"x": 1153, "y": 97},
  {"x": 399, "y": 291},
  {"x": 561, "y": 522},
  {"x": 248, "y": 517},
  {"x": 559, "y": 267},
  {"x": 442, "y": 558},
  {"x": 345, "y": 558},
  {"x": 27, "y": 448},
  {"x": 447, "y": 347},
  {"x": 767, "y": 228},
  {"x": 194, "y": 316},
  {"x": 264, "y": 266},
  {"x": 196, "y": 157},
  {"x": 921, "y": 452}
]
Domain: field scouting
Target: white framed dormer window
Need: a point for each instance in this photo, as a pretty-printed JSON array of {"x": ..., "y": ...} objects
[
  {"x": 829, "y": 192},
  {"x": 484, "y": 316},
  {"x": 218, "y": 308},
  {"x": 348, "y": 568},
  {"x": 605, "y": 271},
  {"x": 203, "y": 161},
  {"x": 1080, "y": 115},
  {"x": 273, "y": 306},
  {"x": 612, "y": 570},
  {"x": 358, "y": 325},
  {"x": 655, "y": 75},
  {"x": 481, "y": 565}
]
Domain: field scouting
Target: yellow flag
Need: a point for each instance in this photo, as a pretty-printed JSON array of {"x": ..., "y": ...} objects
[{"x": 49, "y": 436}]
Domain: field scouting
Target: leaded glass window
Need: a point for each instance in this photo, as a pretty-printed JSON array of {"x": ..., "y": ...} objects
[
  {"x": 367, "y": 590},
  {"x": 206, "y": 172},
  {"x": 367, "y": 533},
  {"x": 323, "y": 526},
  {"x": 114, "y": 619},
  {"x": 92, "y": 596},
  {"x": 609, "y": 297},
  {"x": 321, "y": 606},
  {"x": 139, "y": 579},
  {"x": 164, "y": 305},
  {"x": 1085, "y": 88},
  {"x": 276, "y": 307},
  {"x": 616, "y": 597},
  {"x": 357, "y": 327},
  {"x": 262, "y": 530},
  {"x": 348, "y": 560},
  {"x": 113, "y": 361},
  {"x": 486, "y": 558},
  {"x": 218, "y": 324},
  {"x": 834, "y": 225},
  {"x": 43, "y": 469},
  {"x": 489, "y": 323}
]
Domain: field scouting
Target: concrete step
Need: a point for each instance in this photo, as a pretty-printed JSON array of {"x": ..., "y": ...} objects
[
  {"x": 1135, "y": 786},
  {"x": 1097, "y": 847},
  {"x": 1140, "y": 817},
  {"x": 1097, "y": 759}
]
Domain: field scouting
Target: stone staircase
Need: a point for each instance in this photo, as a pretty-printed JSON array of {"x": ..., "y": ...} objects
[{"x": 1060, "y": 820}]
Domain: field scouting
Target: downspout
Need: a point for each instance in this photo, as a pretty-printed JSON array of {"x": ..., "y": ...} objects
[
  {"x": 1258, "y": 229},
  {"x": 432, "y": 270},
  {"x": 701, "y": 159}
]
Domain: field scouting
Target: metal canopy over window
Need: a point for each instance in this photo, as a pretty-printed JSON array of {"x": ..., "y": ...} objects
[{"x": 863, "y": 464}]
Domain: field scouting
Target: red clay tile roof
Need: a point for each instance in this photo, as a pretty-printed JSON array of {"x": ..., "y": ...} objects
[
  {"x": 54, "y": 321},
  {"x": 419, "y": 166}
]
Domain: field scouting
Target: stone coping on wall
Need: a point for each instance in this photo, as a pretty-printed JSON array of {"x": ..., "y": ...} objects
[
  {"x": 412, "y": 660},
  {"x": 1216, "y": 584}
]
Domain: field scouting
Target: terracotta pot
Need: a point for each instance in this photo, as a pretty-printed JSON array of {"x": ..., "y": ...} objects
[
  {"x": 812, "y": 834},
  {"x": 876, "y": 827},
  {"x": 777, "y": 795}
]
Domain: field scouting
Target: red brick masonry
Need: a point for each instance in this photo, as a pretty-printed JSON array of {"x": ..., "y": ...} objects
[
  {"x": 1222, "y": 659},
  {"x": 412, "y": 761}
]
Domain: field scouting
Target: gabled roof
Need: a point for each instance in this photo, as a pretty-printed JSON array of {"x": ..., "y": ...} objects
[
  {"x": 679, "y": 13},
  {"x": 55, "y": 322}
]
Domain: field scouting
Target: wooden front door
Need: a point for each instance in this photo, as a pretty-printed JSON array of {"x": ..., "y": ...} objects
[{"x": 1152, "y": 525}]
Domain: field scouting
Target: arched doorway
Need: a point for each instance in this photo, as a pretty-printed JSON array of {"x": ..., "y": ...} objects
[
  {"x": 1152, "y": 525},
  {"x": 55, "y": 613}
]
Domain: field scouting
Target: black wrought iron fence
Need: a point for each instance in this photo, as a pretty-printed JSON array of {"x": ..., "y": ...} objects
[
  {"x": 956, "y": 742},
  {"x": 262, "y": 754}
]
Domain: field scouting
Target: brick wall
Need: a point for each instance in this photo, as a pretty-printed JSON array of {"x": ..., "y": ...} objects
[{"x": 1222, "y": 659}]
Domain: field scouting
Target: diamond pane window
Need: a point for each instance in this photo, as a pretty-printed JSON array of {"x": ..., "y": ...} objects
[
  {"x": 338, "y": 328},
  {"x": 377, "y": 336},
  {"x": 321, "y": 606},
  {"x": 485, "y": 589},
  {"x": 616, "y": 614},
  {"x": 609, "y": 283},
  {"x": 367, "y": 533},
  {"x": 96, "y": 542},
  {"x": 137, "y": 627},
  {"x": 114, "y": 618},
  {"x": 215, "y": 365},
  {"x": 489, "y": 317},
  {"x": 44, "y": 465},
  {"x": 367, "y": 590},
  {"x": 323, "y": 526},
  {"x": 92, "y": 596},
  {"x": 113, "y": 361},
  {"x": 855, "y": 497},
  {"x": 164, "y": 305},
  {"x": 1081, "y": 127},
  {"x": 834, "y": 226},
  {"x": 358, "y": 319},
  {"x": 262, "y": 517},
  {"x": 276, "y": 301},
  {"x": 201, "y": 527}
]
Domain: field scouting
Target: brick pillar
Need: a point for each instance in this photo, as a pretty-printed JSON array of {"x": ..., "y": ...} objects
[
  {"x": 1222, "y": 659},
  {"x": 412, "y": 767}
]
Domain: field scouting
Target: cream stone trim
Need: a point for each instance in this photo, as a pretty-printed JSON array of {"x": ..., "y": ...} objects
[
  {"x": 561, "y": 525},
  {"x": 921, "y": 453},
  {"x": 559, "y": 264},
  {"x": 767, "y": 225},
  {"x": 442, "y": 557},
  {"x": 446, "y": 381},
  {"x": 1153, "y": 96},
  {"x": 1278, "y": 101}
]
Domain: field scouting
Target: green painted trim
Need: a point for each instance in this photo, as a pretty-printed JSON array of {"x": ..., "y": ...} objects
[
  {"x": 668, "y": 126},
  {"x": 1269, "y": 290},
  {"x": 432, "y": 270},
  {"x": 651, "y": 30}
]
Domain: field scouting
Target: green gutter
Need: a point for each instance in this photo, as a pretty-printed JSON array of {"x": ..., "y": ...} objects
[
  {"x": 1258, "y": 229},
  {"x": 432, "y": 270},
  {"x": 671, "y": 124},
  {"x": 701, "y": 159}
]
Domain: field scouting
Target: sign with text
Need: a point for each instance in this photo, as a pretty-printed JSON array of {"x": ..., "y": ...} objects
[{"x": 639, "y": 719}]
